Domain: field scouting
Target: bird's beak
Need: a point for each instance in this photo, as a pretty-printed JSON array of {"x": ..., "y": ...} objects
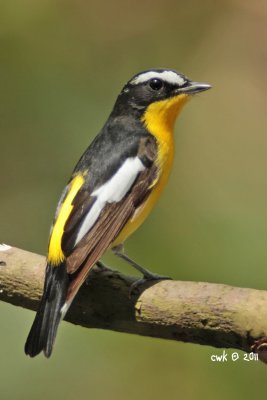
[{"x": 193, "y": 87}]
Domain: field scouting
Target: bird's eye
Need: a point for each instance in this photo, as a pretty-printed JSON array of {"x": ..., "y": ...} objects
[{"x": 156, "y": 84}]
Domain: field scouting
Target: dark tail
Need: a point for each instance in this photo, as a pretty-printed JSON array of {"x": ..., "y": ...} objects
[{"x": 44, "y": 328}]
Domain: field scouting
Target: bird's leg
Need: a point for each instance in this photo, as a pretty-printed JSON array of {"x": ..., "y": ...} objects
[{"x": 148, "y": 275}]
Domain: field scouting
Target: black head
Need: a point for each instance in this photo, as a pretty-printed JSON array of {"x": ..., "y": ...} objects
[{"x": 154, "y": 85}]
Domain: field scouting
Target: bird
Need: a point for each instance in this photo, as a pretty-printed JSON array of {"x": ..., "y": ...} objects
[{"x": 111, "y": 191}]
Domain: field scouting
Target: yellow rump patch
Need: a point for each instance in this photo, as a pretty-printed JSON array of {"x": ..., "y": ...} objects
[{"x": 55, "y": 253}]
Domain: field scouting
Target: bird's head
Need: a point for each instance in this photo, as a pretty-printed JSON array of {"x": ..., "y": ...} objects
[{"x": 157, "y": 93}]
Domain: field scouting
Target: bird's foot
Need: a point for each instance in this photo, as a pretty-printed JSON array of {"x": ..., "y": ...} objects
[{"x": 147, "y": 277}]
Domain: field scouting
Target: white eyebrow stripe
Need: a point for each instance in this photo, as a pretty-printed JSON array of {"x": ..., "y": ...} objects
[
  {"x": 112, "y": 191},
  {"x": 168, "y": 76}
]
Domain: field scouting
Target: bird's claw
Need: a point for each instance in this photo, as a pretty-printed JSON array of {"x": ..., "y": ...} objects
[{"x": 148, "y": 277}]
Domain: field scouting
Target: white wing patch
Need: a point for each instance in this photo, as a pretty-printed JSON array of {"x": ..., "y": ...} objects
[
  {"x": 89, "y": 220},
  {"x": 168, "y": 76},
  {"x": 112, "y": 191}
]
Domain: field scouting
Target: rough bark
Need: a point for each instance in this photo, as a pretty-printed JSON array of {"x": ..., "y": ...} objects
[{"x": 204, "y": 313}]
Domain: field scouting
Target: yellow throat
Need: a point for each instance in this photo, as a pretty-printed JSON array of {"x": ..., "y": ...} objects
[{"x": 159, "y": 119}]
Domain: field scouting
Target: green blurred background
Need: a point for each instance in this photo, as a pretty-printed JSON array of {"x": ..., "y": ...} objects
[{"x": 62, "y": 64}]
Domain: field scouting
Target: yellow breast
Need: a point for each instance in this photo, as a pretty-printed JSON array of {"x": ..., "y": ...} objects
[{"x": 159, "y": 120}]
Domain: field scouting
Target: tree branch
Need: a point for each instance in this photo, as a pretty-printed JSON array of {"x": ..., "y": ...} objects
[{"x": 196, "y": 312}]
